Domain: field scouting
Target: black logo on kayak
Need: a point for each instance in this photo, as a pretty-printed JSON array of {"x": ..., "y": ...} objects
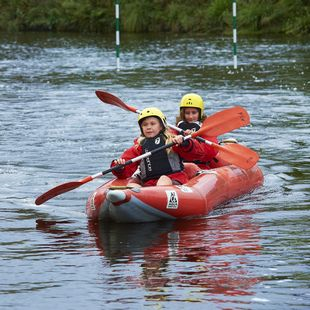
[{"x": 172, "y": 200}]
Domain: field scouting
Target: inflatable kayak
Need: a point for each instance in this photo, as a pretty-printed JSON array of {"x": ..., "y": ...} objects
[{"x": 206, "y": 190}]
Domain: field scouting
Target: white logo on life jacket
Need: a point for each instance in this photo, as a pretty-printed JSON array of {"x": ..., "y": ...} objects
[
  {"x": 157, "y": 140},
  {"x": 148, "y": 162},
  {"x": 172, "y": 200}
]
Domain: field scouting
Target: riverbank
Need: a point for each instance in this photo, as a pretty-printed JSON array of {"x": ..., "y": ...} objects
[{"x": 195, "y": 16}]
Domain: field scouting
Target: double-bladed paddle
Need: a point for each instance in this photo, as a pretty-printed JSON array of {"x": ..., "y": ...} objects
[
  {"x": 66, "y": 187},
  {"x": 214, "y": 125}
]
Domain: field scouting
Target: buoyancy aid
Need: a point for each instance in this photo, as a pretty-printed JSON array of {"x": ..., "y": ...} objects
[
  {"x": 195, "y": 126},
  {"x": 161, "y": 163}
]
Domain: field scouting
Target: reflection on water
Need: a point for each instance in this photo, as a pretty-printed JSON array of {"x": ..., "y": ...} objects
[
  {"x": 212, "y": 255},
  {"x": 65, "y": 237},
  {"x": 201, "y": 260}
]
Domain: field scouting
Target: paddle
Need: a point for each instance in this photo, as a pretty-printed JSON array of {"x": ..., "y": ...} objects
[
  {"x": 234, "y": 153},
  {"x": 216, "y": 124},
  {"x": 66, "y": 187}
]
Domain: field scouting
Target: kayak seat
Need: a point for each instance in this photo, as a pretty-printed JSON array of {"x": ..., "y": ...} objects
[{"x": 191, "y": 170}]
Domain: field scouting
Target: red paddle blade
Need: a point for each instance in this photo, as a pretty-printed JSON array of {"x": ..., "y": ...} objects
[
  {"x": 60, "y": 189},
  {"x": 111, "y": 99},
  {"x": 238, "y": 155},
  {"x": 225, "y": 121}
]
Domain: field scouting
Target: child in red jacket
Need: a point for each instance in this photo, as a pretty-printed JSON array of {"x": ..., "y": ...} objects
[
  {"x": 190, "y": 119},
  {"x": 162, "y": 168}
]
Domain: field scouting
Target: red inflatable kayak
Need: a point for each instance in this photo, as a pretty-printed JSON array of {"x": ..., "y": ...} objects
[{"x": 207, "y": 189}]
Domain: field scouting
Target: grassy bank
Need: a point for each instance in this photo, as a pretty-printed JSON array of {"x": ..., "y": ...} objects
[{"x": 291, "y": 17}]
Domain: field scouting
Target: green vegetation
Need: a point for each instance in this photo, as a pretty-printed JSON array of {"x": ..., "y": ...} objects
[{"x": 206, "y": 16}]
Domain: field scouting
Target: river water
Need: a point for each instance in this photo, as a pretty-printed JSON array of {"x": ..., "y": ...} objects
[{"x": 252, "y": 253}]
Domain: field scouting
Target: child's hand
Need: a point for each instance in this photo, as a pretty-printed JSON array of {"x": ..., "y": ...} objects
[
  {"x": 119, "y": 161},
  {"x": 177, "y": 139},
  {"x": 188, "y": 132}
]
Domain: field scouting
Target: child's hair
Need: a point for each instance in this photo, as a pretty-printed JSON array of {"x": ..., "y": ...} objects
[
  {"x": 166, "y": 132},
  {"x": 181, "y": 116}
]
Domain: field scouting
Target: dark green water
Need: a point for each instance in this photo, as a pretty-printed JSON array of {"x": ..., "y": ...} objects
[{"x": 252, "y": 253}]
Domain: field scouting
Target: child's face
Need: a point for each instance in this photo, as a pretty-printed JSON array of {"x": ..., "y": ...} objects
[
  {"x": 191, "y": 114},
  {"x": 151, "y": 127}
]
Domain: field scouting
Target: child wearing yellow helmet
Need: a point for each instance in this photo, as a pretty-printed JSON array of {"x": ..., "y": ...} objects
[
  {"x": 190, "y": 119},
  {"x": 162, "y": 168},
  {"x": 191, "y": 112}
]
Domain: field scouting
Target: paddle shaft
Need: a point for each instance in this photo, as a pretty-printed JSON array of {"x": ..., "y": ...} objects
[
  {"x": 147, "y": 154},
  {"x": 132, "y": 109},
  {"x": 174, "y": 127},
  {"x": 66, "y": 187},
  {"x": 217, "y": 124},
  {"x": 111, "y": 99}
]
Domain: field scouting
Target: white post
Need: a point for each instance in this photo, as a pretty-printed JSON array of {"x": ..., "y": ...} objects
[
  {"x": 235, "y": 33},
  {"x": 117, "y": 24}
]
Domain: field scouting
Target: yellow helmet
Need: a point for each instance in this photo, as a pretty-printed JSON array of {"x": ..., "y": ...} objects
[
  {"x": 152, "y": 112},
  {"x": 192, "y": 101}
]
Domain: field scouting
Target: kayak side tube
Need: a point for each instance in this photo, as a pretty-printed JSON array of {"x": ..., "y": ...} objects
[{"x": 196, "y": 198}]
